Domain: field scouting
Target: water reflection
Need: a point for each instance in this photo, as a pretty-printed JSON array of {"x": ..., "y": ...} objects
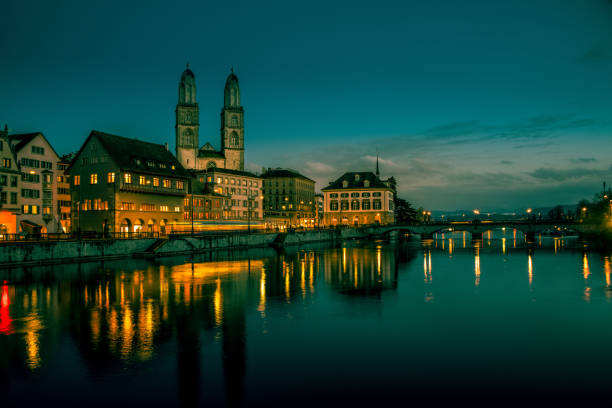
[{"x": 203, "y": 313}]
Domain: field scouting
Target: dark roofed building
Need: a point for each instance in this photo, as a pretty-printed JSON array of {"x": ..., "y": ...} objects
[
  {"x": 358, "y": 198},
  {"x": 126, "y": 185},
  {"x": 289, "y": 199}
]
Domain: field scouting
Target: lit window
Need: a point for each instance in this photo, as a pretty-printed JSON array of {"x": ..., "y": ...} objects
[
  {"x": 167, "y": 183},
  {"x": 142, "y": 180},
  {"x": 155, "y": 182},
  {"x": 127, "y": 178},
  {"x": 77, "y": 180},
  {"x": 93, "y": 178},
  {"x": 111, "y": 177},
  {"x": 179, "y": 184}
]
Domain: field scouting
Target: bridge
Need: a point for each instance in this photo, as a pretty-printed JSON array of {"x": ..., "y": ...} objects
[{"x": 476, "y": 229}]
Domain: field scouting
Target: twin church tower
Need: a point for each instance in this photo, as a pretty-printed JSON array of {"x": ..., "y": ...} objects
[{"x": 188, "y": 152}]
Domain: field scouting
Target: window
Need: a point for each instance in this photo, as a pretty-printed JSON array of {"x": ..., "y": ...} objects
[
  {"x": 167, "y": 183},
  {"x": 344, "y": 205},
  {"x": 13, "y": 181},
  {"x": 155, "y": 182},
  {"x": 234, "y": 121},
  {"x": 333, "y": 195},
  {"x": 345, "y": 183},
  {"x": 163, "y": 208},
  {"x": 365, "y": 194},
  {"x": 3, "y": 180},
  {"x": 353, "y": 195},
  {"x": 46, "y": 165},
  {"x": 377, "y": 205},
  {"x": 47, "y": 210},
  {"x": 177, "y": 209},
  {"x": 366, "y": 183},
  {"x": 93, "y": 178},
  {"x": 377, "y": 194},
  {"x": 38, "y": 150},
  {"x": 142, "y": 180},
  {"x": 49, "y": 179},
  {"x": 6, "y": 163},
  {"x": 27, "y": 193},
  {"x": 179, "y": 184},
  {"x": 25, "y": 209},
  {"x": 34, "y": 209},
  {"x": 110, "y": 177},
  {"x": 3, "y": 197},
  {"x": 29, "y": 162},
  {"x": 77, "y": 180},
  {"x": 344, "y": 195},
  {"x": 127, "y": 178},
  {"x": 365, "y": 204},
  {"x": 13, "y": 198},
  {"x": 355, "y": 205}
]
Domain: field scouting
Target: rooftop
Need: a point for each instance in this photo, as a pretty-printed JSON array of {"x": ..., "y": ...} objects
[{"x": 356, "y": 180}]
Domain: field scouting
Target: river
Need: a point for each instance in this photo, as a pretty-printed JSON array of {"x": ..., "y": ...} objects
[{"x": 361, "y": 323}]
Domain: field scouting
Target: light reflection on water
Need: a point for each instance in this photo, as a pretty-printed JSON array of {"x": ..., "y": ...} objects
[{"x": 220, "y": 323}]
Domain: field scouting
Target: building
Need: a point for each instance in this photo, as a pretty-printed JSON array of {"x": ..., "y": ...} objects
[
  {"x": 9, "y": 186},
  {"x": 38, "y": 185},
  {"x": 202, "y": 205},
  {"x": 64, "y": 203},
  {"x": 126, "y": 185},
  {"x": 358, "y": 198},
  {"x": 189, "y": 154},
  {"x": 242, "y": 189},
  {"x": 319, "y": 209},
  {"x": 289, "y": 199}
]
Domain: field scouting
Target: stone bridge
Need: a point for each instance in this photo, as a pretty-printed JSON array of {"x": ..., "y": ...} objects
[{"x": 476, "y": 229}]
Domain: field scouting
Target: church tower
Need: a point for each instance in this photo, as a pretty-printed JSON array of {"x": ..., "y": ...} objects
[
  {"x": 232, "y": 125},
  {"x": 187, "y": 121}
]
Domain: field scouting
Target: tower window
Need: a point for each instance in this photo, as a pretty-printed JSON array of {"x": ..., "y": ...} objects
[
  {"x": 235, "y": 121},
  {"x": 234, "y": 139}
]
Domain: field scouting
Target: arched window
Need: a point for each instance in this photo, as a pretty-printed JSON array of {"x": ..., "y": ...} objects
[
  {"x": 234, "y": 139},
  {"x": 188, "y": 137}
]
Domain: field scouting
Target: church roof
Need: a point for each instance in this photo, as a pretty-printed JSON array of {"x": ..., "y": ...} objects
[
  {"x": 356, "y": 182},
  {"x": 209, "y": 151},
  {"x": 138, "y": 156},
  {"x": 272, "y": 173}
]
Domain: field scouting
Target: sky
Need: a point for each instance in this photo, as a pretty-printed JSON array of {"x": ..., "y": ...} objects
[{"x": 470, "y": 104}]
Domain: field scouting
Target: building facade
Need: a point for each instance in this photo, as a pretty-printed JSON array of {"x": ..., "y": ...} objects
[
  {"x": 243, "y": 192},
  {"x": 187, "y": 128},
  {"x": 64, "y": 204},
  {"x": 38, "y": 184},
  {"x": 10, "y": 176},
  {"x": 289, "y": 199},
  {"x": 126, "y": 185},
  {"x": 358, "y": 198}
]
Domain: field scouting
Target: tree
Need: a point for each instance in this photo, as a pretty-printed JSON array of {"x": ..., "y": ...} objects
[{"x": 404, "y": 212}]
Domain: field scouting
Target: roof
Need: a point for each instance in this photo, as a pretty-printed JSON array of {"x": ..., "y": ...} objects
[
  {"x": 234, "y": 172},
  {"x": 288, "y": 173},
  {"x": 205, "y": 151},
  {"x": 134, "y": 155},
  {"x": 21, "y": 140},
  {"x": 354, "y": 183}
]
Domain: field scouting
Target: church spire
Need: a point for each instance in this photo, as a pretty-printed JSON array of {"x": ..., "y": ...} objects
[{"x": 377, "y": 169}]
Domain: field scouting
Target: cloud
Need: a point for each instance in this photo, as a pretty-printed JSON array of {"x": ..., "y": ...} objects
[
  {"x": 583, "y": 160},
  {"x": 595, "y": 54},
  {"x": 561, "y": 175}
]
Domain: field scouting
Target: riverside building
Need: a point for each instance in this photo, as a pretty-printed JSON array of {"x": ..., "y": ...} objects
[
  {"x": 37, "y": 198},
  {"x": 289, "y": 199},
  {"x": 126, "y": 185},
  {"x": 358, "y": 198},
  {"x": 9, "y": 186}
]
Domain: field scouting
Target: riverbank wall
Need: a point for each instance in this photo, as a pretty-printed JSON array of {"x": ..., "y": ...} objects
[{"x": 57, "y": 252}]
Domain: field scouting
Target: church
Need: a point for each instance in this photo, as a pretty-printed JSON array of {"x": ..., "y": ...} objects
[{"x": 188, "y": 150}]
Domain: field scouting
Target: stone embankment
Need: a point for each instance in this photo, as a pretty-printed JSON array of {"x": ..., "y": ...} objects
[{"x": 56, "y": 252}]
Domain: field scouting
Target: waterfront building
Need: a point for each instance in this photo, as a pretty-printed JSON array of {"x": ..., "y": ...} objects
[
  {"x": 289, "y": 199},
  {"x": 358, "y": 198},
  {"x": 126, "y": 185},
  {"x": 187, "y": 128},
  {"x": 37, "y": 197},
  {"x": 319, "y": 209},
  {"x": 64, "y": 204},
  {"x": 203, "y": 205},
  {"x": 9, "y": 186},
  {"x": 243, "y": 191}
]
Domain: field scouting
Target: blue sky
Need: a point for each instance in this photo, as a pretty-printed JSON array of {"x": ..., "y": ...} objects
[{"x": 470, "y": 104}]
